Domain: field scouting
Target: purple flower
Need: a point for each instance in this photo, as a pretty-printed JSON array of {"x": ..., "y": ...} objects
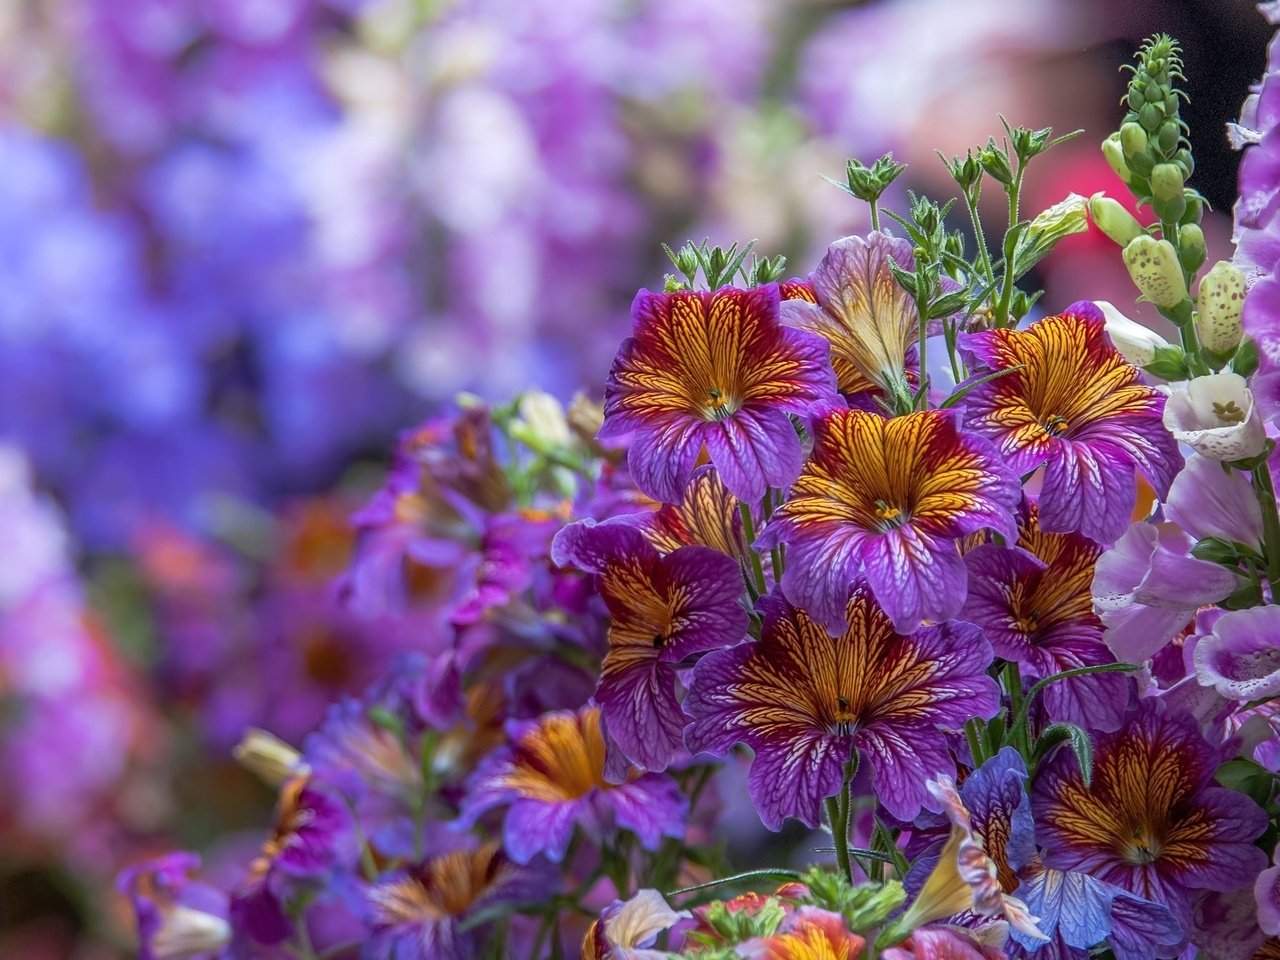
[
  {"x": 715, "y": 370},
  {"x": 1241, "y": 658},
  {"x": 1153, "y": 822},
  {"x": 1210, "y": 499},
  {"x": 1034, "y": 604},
  {"x": 551, "y": 779},
  {"x": 804, "y": 700},
  {"x": 664, "y": 610},
  {"x": 177, "y": 917},
  {"x": 1147, "y": 588},
  {"x": 1069, "y": 402},
  {"x": 626, "y": 928},
  {"x": 1266, "y": 891},
  {"x": 886, "y": 500}
]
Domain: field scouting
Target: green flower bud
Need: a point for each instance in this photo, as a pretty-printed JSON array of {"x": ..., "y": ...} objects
[
  {"x": 1195, "y": 208},
  {"x": 996, "y": 163},
  {"x": 1171, "y": 209},
  {"x": 1142, "y": 164},
  {"x": 1154, "y": 268},
  {"x": 1114, "y": 154},
  {"x": 1167, "y": 137},
  {"x": 1191, "y": 248},
  {"x": 1133, "y": 139},
  {"x": 1151, "y": 116},
  {"x": 1184, "y": 159},
  {"x": 1166, "y": 181},
  {"x": 1113, "y": 219},
  {"x": 1219, "y": 302}
]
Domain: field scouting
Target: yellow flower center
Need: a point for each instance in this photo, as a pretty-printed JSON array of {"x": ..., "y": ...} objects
[{"x": 1144, "y": 848}]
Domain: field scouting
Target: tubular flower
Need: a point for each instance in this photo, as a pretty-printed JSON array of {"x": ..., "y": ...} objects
[
  {"x": 862, "y": 311},
  {"x": 804, "y": 700},
  {"x": 1151, "y": 823},
  {"x": 886, "y": 500},
  {"x": 1067, "y": 400},
  {"x": 421, "y": 913},
  {"x": 551, "y": 779},
  {"x": 706, "y": 514},
  {"x": 663, "y": 610},
  {"x": 716, "y": 370},
  {"x": 1035, "y": 604}
]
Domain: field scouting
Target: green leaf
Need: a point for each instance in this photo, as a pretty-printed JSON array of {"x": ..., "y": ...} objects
[{"x": 1247, "y": 777}]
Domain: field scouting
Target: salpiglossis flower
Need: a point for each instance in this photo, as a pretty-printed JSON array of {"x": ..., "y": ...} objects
[
  {"x": 551, "y": 779},
  {"x": 664, "y": 609},
  {"x": 1067, "y": 400},
  {"x": 886, "y": 500},
  {"x": 706, "y": 514},
  {"x": 1152, "y": 822},
  {"x": 804, "y": 700},
  {"x": 1035, "y": 604},
  {"x": 714, "y": 370}
]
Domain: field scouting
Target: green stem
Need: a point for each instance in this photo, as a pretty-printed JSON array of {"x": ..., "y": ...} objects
[
  {"x": 840, "y": 836},
  {"x": 973, "y": 734},
  {"x": 1007, "y": 286},
  {"x": 980, "y": 237},
  {"x": 749, "y": 530},
  {"x": 1266, "y": 492},
  {"x": 875, "y": 214},
  {"x": 1013, "y": 686}
]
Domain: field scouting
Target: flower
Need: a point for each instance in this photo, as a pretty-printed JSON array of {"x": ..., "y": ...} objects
[
  {"x": 1215, "y": 416},
  {"x": 177, "y": 917},
  {"x": 706, "y": 514},
  {"x": 551, "y": 779},
  {"x": 862, "y": 311},
  {"x": 625, "y": 928},
  {"x": 1241, "y": 658},
  {"x": 421, "y": 913},
  {"x": 716, "y": 370},
  {"x": 886, "y": 500},
  {"x": 1266, "y": 891},
  {"x": 1154, "y": 268},
  {"x": 664, "y": 609},
  {"x": 808, "y": 933},
  {"x": 804, "y": 700},
  {"x": 1136, "y": 343},
  {"x": 1152, "y": 823},
  {"x": 1219, "y": 302},
  {"x": 1210, "y": 499},
  {"x": 1035, "y": 606},
  {"x": 1147, "y": 587},
  {"x": 1261, "y": 308},
  {"x": 1077, "y": 408},
  {"x": 944, "y": 943}
]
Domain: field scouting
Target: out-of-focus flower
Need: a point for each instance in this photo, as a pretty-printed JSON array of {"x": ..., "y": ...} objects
[
  {"x": 886, "y": 500},
  {"x": 804, "y": 700},
  {"x": 716, "y": 370},
  {"x": 1266, "y": 892},
  {"x": 626, "y": 928},
  {"x": 1035, "y": 605},
  {"x": 1152, "y": 823},
  {"x": 862, "y": 312},
  {"x": 943, "y": 943},
  {"x": 1147, "y": 588},
  {"x": 1219, "y": 303},
  {"x": 1241, "y": 658},
  {"x": 1113, "y": 219},
  {"x": 1154, "y": 268},
  {"x": 551, "y": 779},
  {"x": 273, "y": 760},
  {"x": 1215, "y": 416},
  {"x": 1076, "y": 408},
  {"x": 177, "y": 916},
  {"x": 1136, "y": 343},
  {"x": 804, "y": 933},
  {"x": 422, "y": 912},
  {"x": 664, "y": 609}
]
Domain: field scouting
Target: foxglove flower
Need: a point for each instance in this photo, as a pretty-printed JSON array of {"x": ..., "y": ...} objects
[
  {"x": 422, "y": 913},
  {"x": 1147, "y": 588},
  {"x": 551, "y": 780},
  {"x": 862, "y": 311},
  {"x": 1137, "y": 344},
  {"x": 1215, "y": 416},
  {"x": 714, "y": 370},
  {"x": 1266, "y": 891},
  {"x": 804, "y": 700},
  {"x": 1210, "y": 499},
  {"x": 1152, "y": 823},
  {"x": 886, "y": 500},
  {"x": 1035, "y": 606},
  {"x": 1241, "y": 658},
  {"x": 1076, "y": 408},
  {"x": 664, "y": 609}
]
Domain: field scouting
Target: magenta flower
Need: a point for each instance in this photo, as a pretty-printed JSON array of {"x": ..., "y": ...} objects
[
  {"x": 1153, "y": 821},
  {"x": 1077, "y": 408},
  {"x": 886, "y": 500},
  {"x": 714, "y": 370},
  {"x": 1209, "y": 499},
  {"x": 664, "y": 609},
  {"x": 177, "y": 916},
  {"x": 804, "y": 700},
  {"x": 1034, "y": 604},
  {"x": 551, "y": 779}
]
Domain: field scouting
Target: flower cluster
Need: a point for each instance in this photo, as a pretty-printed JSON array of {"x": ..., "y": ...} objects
[{"x": 985, "y": 597}]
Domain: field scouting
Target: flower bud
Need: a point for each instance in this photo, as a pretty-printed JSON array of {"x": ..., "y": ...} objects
[
  {"x": 1151, "y": 116},
  {"x": 1114, "y": 155},
  {"x": 266, "y": 755},
  {"x": 1153, "y": 266},
  {"x": 1166, "y": 181},
  {"x": 1113, "y": 219},
  {"x": 1133, "y": 139},
  {"x": 996, "y": 163},
  {"x": 1191, "y": 248},
  {"x": 1220, "y": 300},
  {"x": 544, "y": 418},
  {"x": 1167, "y": 137},
  {"x": 1136, "y": 343}
]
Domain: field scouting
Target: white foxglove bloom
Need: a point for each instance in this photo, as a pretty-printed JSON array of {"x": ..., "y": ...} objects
[
  {"x": 1136, "y": 343},
  {"x": 1215, "y": 416}
]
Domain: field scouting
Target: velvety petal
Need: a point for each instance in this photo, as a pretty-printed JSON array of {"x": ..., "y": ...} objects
[
  {"x": 903, "y": 758},
  {"x": 652, "y": 807},
  {"x": 754, "y": 451},
  {"x": 662, "y": 458},
  {"x": 532, "y": 828},
  {"x": 1210, "y": 499},
  {"x": 995, "y": 796},
  {"x": 1089, "y": 488},
  {"x": 995, "y": 574},
  {"x": 639, "y": 706},
  {"x": 915, "y": 577},
  {"x": 792, "y": 780},
  {"x": 821, "y": 570},
  {"x": 1094, "y": 701}
]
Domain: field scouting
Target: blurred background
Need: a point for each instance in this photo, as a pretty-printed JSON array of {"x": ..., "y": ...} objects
[{"x": 243, "y": 243}]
